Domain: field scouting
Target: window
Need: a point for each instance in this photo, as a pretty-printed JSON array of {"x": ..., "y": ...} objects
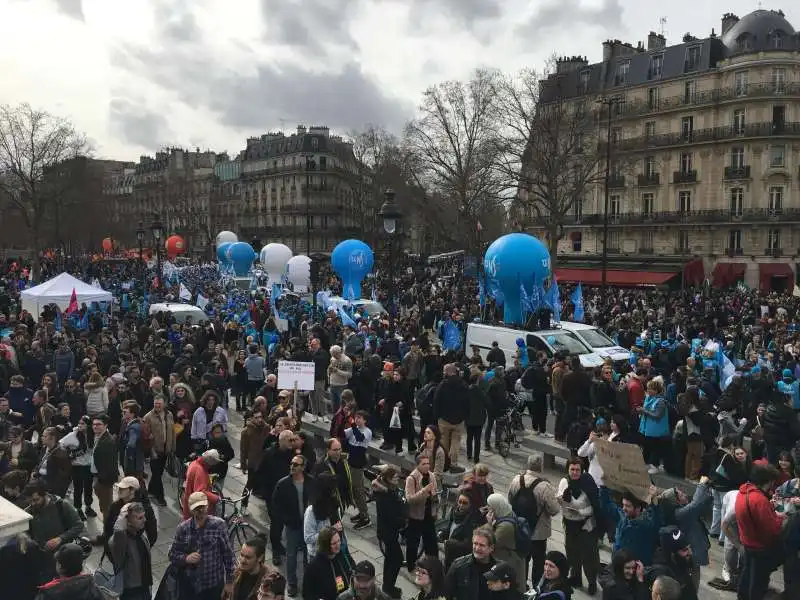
[
  {"x": 744, "y": 42},
  {"x": 650, "y": 166},
  {"x": 578, "y": 209},
  {"x": 774, "y": 239},
  {"x": 687, "y": 127},
  {"x": 615, "y": 206},
  {"x": 737, "y": 158},
  {"x": 776, "y": 40},
  {"x": 685, "y": 201},
  {"x": 650, "y": 129},
  {"x": 738, "y": 121},
  {"x": 735, "y": 239},
  {"x": 584, "y": 81},
  {"x": 779, "y": 80},
  {"x": 314, "y": 143},
  {"x": 683, "y": 240},
  {"x": 622, "y": 72},
  {"x": 686, "y": 162},
  {"x": 652, "y": 98},
  {"x": 647, "y": 239},
  {"x": 323, "y": 163},
  {"x": 616, "y": 135},
  {"x": 740, "y": 82},
  {"x": 692, "y": 58},
  {"x": 777, "y": 156},
  {"x": 619, "y": 105},
  {"x": 648, "y": 202},
  {"x": 656, "y": 66},
  {"x": 737, "y": 200},
  {"x": 614, "y": 238},
  {"x": 577, "y": 241},
  {"x": 775, "y": 199},
  {"x": 689, "y": 92}
]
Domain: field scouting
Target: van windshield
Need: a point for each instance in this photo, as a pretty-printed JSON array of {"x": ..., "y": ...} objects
[
  {"x": 565, "y": 341},
  {"x": 595, "y": 338}
]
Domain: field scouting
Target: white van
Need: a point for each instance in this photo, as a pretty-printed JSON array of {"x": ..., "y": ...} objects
[
  {"x": 180, "y": 311},
  {"x": 549, "y": 341},
  {"x": 598, "y": 341}
]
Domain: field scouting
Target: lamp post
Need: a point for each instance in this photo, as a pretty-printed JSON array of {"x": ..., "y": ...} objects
[
  {"x": 140, "y": 233},
  {"x": 610, "y": 103},
  {"x": 158, "y": 231},
  {"x": 390, "y": 214}
]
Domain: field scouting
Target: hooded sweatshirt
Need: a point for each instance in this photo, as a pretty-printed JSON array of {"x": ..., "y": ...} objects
[{"x": 759, "y": 524}]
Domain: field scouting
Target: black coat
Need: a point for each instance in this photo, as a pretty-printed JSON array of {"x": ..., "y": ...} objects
[
  {"x": 284, "y": 501},
  {"x": 319, "y": 580},
  {"x": 273, "y": 467},
  {"x": 150, "y": 522},
  {"x": 106, "y": 459},
  {"x": 392, "y": 511}
]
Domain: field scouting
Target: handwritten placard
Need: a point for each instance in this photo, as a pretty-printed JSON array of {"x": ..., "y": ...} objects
[
  {"x": 623, "y": 467},
  {"x": 292, "y": 373}
]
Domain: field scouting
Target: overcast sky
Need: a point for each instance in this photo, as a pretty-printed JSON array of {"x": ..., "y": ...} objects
[{"x": 136, "y": 75}]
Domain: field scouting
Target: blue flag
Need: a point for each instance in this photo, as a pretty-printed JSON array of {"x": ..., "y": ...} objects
[
  {"x": 374, "y": 294},
  {"x": 482, "y": 292},
  {"x": 84, "y": 323},
  {"x": 535, "y": 298},
  {"x": 59, "y": 322},
  {"x": 451, "y": 336},
  {"x": 577, "y": 300},
  {"x": 524, "y": 300},
  {"x": 347, "y": 321},
  {"x": 555, "y": 299},
  {"x": 276, "y": 293}
]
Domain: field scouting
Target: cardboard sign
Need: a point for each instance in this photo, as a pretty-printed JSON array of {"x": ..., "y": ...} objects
[
  {"x": 293, "y": 374},
  {"x": 623, "y": 468}
]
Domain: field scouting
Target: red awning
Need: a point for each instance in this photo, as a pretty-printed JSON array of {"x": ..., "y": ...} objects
[
  {"x": 694, "y": 272},
  {"x": 766, "y": 271},
  {"x": 614, "y": 277},
  {"x": 725, "y": 274}
]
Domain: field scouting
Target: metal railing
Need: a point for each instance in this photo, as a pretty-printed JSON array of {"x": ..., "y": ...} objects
[
  {"x": 711, "y": 134},
  {"x": 688, "y": 216}
]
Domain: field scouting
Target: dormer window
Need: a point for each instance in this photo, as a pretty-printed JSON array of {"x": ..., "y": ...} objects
[
  {"x": 622, "y": 72},
  {"x": 585, "y": 76},
  {"x": 776, "y": 39},
  {"x": 744, "y": 42}
]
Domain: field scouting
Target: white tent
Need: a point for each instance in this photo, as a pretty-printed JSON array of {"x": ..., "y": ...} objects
[{"x": 58, "y": 290}]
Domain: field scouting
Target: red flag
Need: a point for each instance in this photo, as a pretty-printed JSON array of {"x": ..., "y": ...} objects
[
  {"x": 155, "y": 282},
  {"x": 73, "y": 303}
]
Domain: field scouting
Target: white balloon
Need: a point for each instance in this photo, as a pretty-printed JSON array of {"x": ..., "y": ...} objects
[
  {"x": 224, "y": 237},
  {"x": 298, "y": 271},
  {"x": 274, "y": 258}
]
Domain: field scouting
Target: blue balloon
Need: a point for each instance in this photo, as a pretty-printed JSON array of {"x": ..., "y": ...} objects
[
  {"x": 241, "y": 255},
  {"x": 222, "y": 250},
  {"x": 551, "y": 339},
  {"x": 352, "y": 260},
  {"x": 515, "y": 260}
]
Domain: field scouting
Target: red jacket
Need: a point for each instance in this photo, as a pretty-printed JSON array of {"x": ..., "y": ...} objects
[
  {"x": 197, "y": 480},
  {"x": 759, "y": 524}
]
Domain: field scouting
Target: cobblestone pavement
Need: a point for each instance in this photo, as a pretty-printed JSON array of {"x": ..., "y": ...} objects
[{"x": 363, "y": 544}]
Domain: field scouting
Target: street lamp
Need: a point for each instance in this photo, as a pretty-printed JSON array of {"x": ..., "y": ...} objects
[
  {"x": 140, "y": 233},
  {"x": 390, "y": 213},
  {"x": 158, "y": 231},
  {"x": 610, "y": 103}
]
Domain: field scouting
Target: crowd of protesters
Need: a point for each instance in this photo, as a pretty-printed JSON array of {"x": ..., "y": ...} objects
[{"x": 130, "y": 396}]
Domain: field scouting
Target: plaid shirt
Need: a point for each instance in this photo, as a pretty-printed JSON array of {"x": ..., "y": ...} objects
[{"x": 212, "y": 542}]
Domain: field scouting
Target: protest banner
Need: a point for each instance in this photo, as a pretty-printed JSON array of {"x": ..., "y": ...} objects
[
  {"x": 623, "y": 467},
  {"x": 296, "y": 375}
]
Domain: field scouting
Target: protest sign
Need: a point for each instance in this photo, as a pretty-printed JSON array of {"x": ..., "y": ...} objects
[
  {"x": 294, "y": 374},
  {"x": 623, "y": 467}
]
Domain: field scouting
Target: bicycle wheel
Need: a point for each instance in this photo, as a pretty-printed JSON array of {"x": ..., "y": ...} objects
[{"x": 239, "y": 534}]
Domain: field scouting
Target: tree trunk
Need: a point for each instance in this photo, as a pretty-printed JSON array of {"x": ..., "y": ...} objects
[
  {"x": 552, "y": 246},
  {"x": 36, "y": 261}
]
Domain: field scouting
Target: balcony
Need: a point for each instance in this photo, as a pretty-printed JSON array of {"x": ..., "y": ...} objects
[
  {"x": 648, "y": 179},
  {"x": 682, "y": 250},
  {"x": 732, "y": 252},
  {"x": 637, "y": 108},
  {"x": 766, "y": 129},
  {"x": 646, "y": 251},
  {"x": 741, "y": 172},
  {"x": 690, "y": 65},
  {"x": 691, "y": 217},
  {"x": 773, "y": 252},
  {"x": 684, "y": 176},
  {"x": 616, "y": 181}
]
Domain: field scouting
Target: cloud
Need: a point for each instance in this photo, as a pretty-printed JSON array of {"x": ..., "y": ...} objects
[
  {"x": 468, "y": 12},
  {"x": 71, "y": 8},
  {"x": 136, "y": 124},
  {"x": 177, "y": 21},
  {"x": 570, "y": 13},
  {"x": 309, "y": 24}
]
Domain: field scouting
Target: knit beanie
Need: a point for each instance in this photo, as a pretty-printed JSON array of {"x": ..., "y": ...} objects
[{"x": 560, "y": 561}]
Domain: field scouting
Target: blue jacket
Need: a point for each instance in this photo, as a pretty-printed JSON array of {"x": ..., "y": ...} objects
[
  {"x": 21, "y": 400},
  {"x": 654, "y": 422},
  {"x": 639, "y": 536}
]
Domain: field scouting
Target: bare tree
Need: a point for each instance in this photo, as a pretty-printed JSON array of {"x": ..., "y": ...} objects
[
  {"x": 32, "y": 143},
  {"x": 547, "y": 149},
  {"x": 451, "y": 151}
]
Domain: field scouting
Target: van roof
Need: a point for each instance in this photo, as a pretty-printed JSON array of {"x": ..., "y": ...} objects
[
  {"x": 514, "y": 329},
  {"x": 569, "y": 325}
]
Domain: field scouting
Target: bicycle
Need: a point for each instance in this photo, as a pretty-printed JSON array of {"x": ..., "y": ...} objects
[{"x": 239, "y": 530}]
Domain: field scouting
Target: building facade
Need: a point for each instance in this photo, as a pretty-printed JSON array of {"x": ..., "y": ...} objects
[{"x": 704, "y": 155}]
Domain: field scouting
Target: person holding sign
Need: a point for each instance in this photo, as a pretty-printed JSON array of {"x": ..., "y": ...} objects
[{"x": 636, "y": 524}]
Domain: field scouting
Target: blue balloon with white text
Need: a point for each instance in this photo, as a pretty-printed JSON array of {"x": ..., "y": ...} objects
[{"x": 352, "y": 260}]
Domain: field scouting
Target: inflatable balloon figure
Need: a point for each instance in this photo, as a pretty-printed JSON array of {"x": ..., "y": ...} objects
[
  {"x": 352, "y": 260},
  {"x": 512, "y": 262},
  {"x": 241, "y": 256},
  {"x": 274, "y": 258},
  {"x": 298, "y": 272},
  {"x": 175, "y": 246}
]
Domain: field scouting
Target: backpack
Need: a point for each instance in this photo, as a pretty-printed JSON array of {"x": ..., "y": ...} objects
[
  {"x": 525, "y": 504},
  {"x": 522, "y": 533},
  {"x": 425, "y": 399}
]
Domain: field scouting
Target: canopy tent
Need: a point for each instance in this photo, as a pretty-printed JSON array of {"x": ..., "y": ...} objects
[{"x": 58, "y": 291}]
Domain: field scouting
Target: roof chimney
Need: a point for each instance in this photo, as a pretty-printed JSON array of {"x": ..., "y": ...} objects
[
  {"x": 655, "y": 41},
  {"x": 728, "y": 21},
  {"x": 301, "y": 130},
  {"x": 566, "y": 64}
]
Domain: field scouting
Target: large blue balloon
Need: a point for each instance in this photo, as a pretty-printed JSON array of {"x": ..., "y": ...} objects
[
  {"x": 514, "y": 259},
  {"x": 222, "y": 250},
  {"x": 241, "y": 255},
  {"x": 352, "y": 260}
]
